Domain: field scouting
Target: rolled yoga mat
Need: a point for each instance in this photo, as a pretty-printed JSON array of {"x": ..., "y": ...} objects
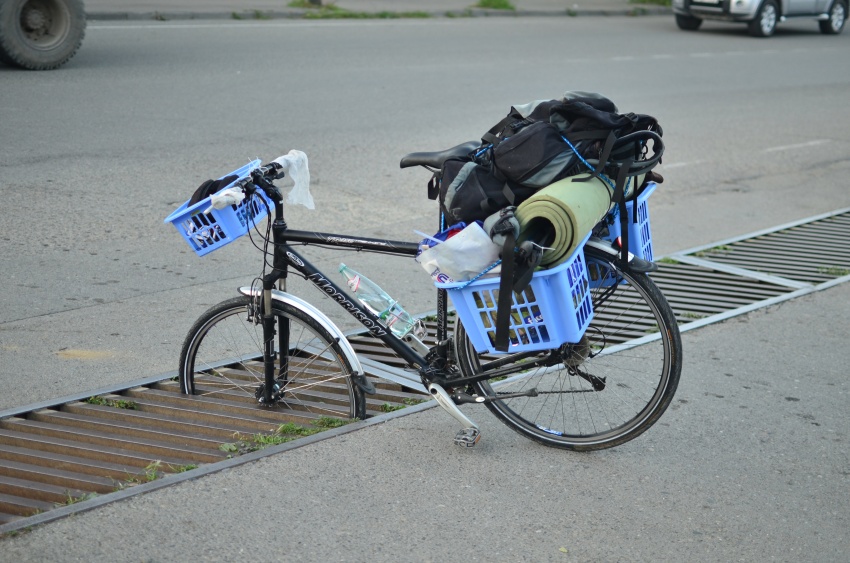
[{"x": 559, "y": 216}]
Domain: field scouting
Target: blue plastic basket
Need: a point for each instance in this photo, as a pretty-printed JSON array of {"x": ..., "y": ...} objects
[
  {"x": 554, "y": 309},
  {"x": 208, "y": 231},
  {"x": 640, "y": 238},
  {"x": 640, "y": 234}
]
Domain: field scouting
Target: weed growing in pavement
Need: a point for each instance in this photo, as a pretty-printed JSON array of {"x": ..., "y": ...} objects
[
  {"x": 284, "y": 433},
  {"x": 411, "y": 401},
  {"x": 495, "y": 4},
  {"x": 115, "y": 403},
  {"x": 834, "y": 271},
  {"x": 71, "y": 499}
]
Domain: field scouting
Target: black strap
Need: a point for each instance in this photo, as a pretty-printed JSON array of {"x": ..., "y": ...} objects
[
  {"x": 503, "y": 306},
  {"x": 433, "y": 187},
  {"x": 619, "y": 196},
  {"x": 492, "y": 136}
]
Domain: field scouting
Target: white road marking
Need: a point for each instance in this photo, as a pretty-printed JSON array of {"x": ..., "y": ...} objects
[{"x": 797, "y": 146}]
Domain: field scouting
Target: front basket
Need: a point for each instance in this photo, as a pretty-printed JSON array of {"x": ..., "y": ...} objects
[{"x": 206, "y": 231}]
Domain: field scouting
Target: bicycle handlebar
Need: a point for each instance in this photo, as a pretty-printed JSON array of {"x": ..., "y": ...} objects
[{"x": 260, "y": 179}]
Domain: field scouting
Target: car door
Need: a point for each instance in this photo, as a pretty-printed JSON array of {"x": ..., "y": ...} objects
[
  {"x": 800, "y": 7},
  {"x": 821, "y": 6}
]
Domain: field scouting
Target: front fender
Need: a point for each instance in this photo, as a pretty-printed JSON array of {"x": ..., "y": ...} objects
[{"x": 321, "y": 318}]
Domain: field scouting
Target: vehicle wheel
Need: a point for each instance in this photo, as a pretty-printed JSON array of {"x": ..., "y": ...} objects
[
  {"x": 222, "y": 358},
  {"x": 837, "y": 17},
  {"x": 766, "y": 18},
  {"x": 607, "y": 389},
  {"x": 40, "y": 34},
  {"x": 688, "y": 23}
]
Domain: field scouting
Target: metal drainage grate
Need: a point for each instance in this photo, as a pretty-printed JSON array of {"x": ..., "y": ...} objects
[
  {"x": 56, "y": 455},
  {"x": 52, "y": 455},
  {"x": 757, "y": 270},
  {"x": 811, "y": 253}
]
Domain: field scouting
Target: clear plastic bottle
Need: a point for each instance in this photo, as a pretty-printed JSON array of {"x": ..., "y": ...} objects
[{"x": 378, "y": 302}]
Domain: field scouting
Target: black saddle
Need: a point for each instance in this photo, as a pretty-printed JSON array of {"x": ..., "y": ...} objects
[{"x": 436, "y": 159}]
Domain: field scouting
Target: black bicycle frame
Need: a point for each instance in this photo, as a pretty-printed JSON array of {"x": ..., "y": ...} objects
[{"x": 285, "y": 257}]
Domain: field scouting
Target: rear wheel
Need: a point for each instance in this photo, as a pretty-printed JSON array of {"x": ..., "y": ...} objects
[
  {"x": 688, "y": 23},
  {"x": 222, "y": 358},
  {"x": 603, "y": 391},
  {"x": 837, "y": 17},
  {"x": 40, "y": 34},
  {"x": 765, "y": 21}
]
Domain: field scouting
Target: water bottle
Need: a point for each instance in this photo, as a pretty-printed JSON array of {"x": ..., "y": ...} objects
[{"x": 378, "y": 302}]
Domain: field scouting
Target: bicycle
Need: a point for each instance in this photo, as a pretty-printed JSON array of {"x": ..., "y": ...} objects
[{"x": 273, "y": 348}]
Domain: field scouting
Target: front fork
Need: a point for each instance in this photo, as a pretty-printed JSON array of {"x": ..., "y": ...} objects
[{"x": 273, "y": 379}]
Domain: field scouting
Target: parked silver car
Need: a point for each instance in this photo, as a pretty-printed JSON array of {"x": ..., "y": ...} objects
[{"x": 761, "y": 16}]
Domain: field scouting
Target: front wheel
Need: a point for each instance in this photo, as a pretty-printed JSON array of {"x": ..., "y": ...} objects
[
  {"x": 765, "y": 21},
  {"x": 603, "y": 391},
  {"x": 837, "y": 17},
  {"x": 222, "y": 358},
  {"x": 688, "y": 23}
]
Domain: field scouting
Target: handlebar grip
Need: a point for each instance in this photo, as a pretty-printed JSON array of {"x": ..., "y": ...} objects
[{"x": 272, "y": 170}]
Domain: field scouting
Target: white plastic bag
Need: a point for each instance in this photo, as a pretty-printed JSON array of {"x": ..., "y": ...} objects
[
  {"x": 230, "y": 196},
  {"x": 462, "y": 257},
  {"x": 295, "y": 164}
]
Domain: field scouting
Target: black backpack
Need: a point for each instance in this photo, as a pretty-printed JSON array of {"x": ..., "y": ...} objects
[{"x": 543, "y": 142}]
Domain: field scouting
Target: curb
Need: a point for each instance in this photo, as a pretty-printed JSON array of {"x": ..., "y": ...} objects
[{"x": 259, "y": 15}]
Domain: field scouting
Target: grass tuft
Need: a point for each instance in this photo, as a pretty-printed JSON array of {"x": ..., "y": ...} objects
[{"x": 495, "y": 5}]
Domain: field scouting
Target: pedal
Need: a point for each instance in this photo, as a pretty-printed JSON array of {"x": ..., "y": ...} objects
[
  {"x": 470, "y": 434},
  {"x": 468, "y": 437}
]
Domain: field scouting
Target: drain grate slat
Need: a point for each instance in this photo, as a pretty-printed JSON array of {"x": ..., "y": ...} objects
[
  {"x": 197, "y": 414},
  {"x": 175, "y": 434},
  {"x": 786, "y": 244},
  {"x": 800, "y": 267},
  {"x": 54, "y": 454},
  {"x": 58, "y": 477},
  {"x": 13, "y": 506},
  {"x": 152, "y": 421},
  {"x": 113, "y": 441},
  {"x": 38, "y": 491},
  {"x": 78, "y": 448},
  {"x": 783, "y": 254},
  {"x": 78, "y": 465}
]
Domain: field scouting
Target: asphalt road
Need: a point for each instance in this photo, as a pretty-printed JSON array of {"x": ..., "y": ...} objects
[
  {"x": 98, "y": 153},
  {"x": 98, "y": 291}
]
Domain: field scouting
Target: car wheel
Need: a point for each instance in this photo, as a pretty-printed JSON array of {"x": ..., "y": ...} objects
[
  {"x": 837, "y": 17},
  {"x": 40, "y": 34},
  {"x": 688, "y": 23},
  {"x": 765, "y": 22}
]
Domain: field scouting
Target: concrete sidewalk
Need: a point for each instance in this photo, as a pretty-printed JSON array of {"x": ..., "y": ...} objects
[
  {"x": 774, "y": 435},
  {"x": 262, "y": 9}
]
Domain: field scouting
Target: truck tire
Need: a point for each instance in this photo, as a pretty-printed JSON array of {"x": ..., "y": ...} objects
[{"x": 40, "y": 34}]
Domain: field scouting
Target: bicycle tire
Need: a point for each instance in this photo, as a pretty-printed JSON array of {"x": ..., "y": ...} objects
[
  {"x": 222, "y": 358},
  {"x": 640, "y": 371}
]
